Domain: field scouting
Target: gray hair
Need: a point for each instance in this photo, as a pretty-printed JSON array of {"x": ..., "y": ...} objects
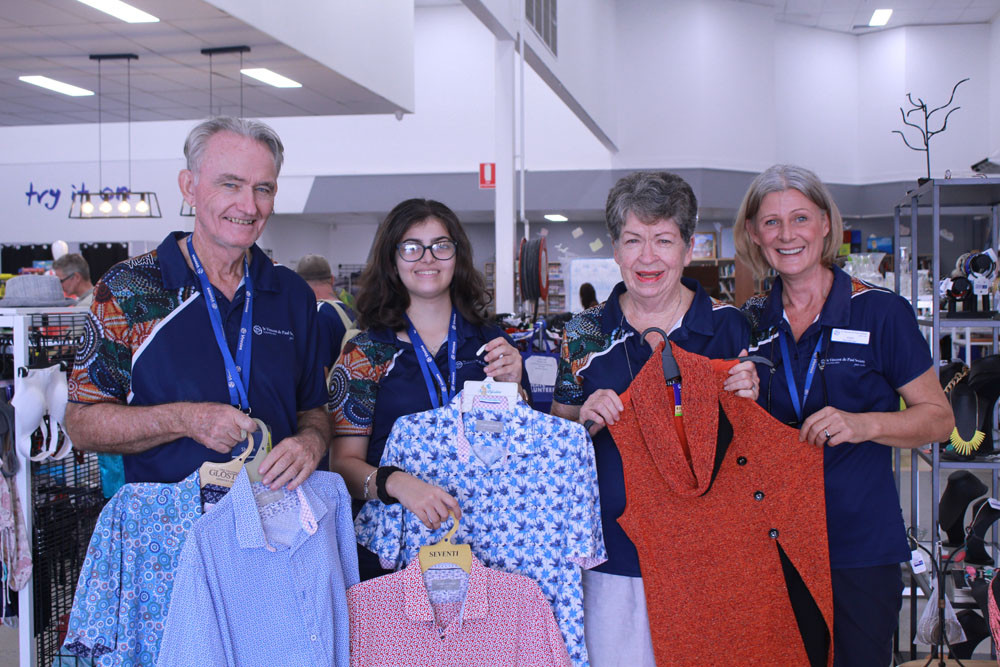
[
  {"x": 197, "y": 139},
  {"x": 651, "y": 196},
  {"x": 71, "y": 263},
  {"x": 778, "y": 178}
]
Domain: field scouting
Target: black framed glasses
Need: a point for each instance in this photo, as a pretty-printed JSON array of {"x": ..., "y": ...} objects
[
  {"x": 413, "y": 251},
  {"x": 66, "y": 277}
]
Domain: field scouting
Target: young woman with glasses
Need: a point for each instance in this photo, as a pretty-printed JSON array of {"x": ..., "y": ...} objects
[{"x": 422, "y": 309}]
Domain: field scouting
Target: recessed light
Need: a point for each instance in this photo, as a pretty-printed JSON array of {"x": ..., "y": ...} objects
[
  {"x": 555, "y": 217},
  {"x": 57, "y": 86},
  {"x": 270, "y": 78},
  {"x": 121, "y": 10},
  {"x": 880, "y": 17}
]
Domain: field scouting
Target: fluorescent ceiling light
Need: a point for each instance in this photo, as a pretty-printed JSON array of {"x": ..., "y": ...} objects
[
  {"x": 555, "y": 217},
  {"x": 271, "y": 78},
  {"x": 121, "y": 10},
  {"x": 57, "y": 86},
  {"x": 880, "y": 17}
]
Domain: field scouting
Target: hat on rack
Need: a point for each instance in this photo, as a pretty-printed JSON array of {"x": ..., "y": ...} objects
[{"x": 34, "y": 290}]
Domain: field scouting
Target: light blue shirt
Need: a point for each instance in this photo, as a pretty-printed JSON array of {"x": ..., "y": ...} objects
[{"x": 266, "y": 585}]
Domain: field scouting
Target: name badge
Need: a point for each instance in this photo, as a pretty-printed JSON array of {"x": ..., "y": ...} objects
[{"x": 850, "y": 336}]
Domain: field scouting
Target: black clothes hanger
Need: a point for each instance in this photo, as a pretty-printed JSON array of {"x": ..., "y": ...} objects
[{"x": 671, "y": 373}]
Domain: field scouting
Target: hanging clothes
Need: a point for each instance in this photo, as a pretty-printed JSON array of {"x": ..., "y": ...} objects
[
  {"x": 261, "y": 558},
  {"x": 436, "y": 619},
  {"x": 15, "y": 545},
  {"x": 527, "y": 486},
  {"x": 746, "y": 492},
  {"x": 123, "y": 593}
]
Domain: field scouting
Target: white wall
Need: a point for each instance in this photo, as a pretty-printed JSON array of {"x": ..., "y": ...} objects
[
  {"x": 993, "y": 57},
  {"x": 369, "y": 42}
]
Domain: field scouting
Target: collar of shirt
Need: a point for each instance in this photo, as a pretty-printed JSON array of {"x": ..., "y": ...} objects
[
  {"x": 250, "y": 528},
  {"x": 517, "y": 424},
  {"x": 697, "y": 319},
  {"x": 384, "y": 335},
  {"x": 177, "y": 274},
  {"x": 418, "y": 605},
  {"x": 836, "y": 310}
]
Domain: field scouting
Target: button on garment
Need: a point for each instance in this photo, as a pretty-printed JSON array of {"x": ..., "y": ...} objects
[
  {"x": 502, "y": 620},
  {"x": 267, "y": 585},
  {"x": 731, "y": 512},
  {"x": 123, "y": 593},
  {"x": 534, "y": 510}
]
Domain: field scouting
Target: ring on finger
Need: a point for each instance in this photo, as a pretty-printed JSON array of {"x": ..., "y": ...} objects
[{"x": 828, "y": 436}]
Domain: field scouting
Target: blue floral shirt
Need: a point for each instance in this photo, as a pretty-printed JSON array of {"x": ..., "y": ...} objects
[
  {"x": 527, "y": 486},
  {"x": 124, "y": 588}
]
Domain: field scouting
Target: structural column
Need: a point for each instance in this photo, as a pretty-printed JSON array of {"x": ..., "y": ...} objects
[{"x": 504, "y": 229}]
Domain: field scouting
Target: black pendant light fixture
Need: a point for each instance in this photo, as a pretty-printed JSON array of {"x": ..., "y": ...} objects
[{"x": 109, "y": 203}]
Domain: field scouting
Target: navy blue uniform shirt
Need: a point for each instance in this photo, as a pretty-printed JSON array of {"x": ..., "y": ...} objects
[
  {"x": 331, "y": 332},
  {"x": 864, "y": 519},
  {"x": 154, "y": 344},
  {"x": 601, "y": 350}
]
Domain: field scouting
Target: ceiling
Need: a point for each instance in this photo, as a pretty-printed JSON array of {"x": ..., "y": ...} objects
[
  {"x": 170, "y": 80},
  {"x": 852, "y": 16}
]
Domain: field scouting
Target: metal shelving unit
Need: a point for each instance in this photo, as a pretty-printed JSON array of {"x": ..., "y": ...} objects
[{"x": 962, "y": 196}]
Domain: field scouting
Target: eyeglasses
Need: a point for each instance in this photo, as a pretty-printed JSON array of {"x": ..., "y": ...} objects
[
  {"x": 66, "y": 277},
  {"x": 413, "y": 251}
]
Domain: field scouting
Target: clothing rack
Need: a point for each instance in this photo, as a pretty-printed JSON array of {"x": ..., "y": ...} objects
[{"x": 60, "y": 499}]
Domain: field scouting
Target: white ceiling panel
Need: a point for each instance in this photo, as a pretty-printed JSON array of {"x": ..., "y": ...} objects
[{"x": 851, "y": 16}]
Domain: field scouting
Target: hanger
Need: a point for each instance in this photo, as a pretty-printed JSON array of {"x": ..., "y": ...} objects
[
  {"x": 671, "y": 373},
  {"x": 446, "y": 551},
  {"x": 225, "y": 474}
]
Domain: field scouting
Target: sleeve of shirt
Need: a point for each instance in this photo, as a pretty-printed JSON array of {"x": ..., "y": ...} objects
[
  {"x": 102, "y": 370},
  {"x": 329, "y": 342},
  {"x": 193, "y": 633},
  {"x": 904, "y": 352},
  {"x": 380, "y": 527},
  {"x": 585, "y": 537},
  {"x": 360, "y": 628},
  {"x": 569, "y": 385},
  {"x": 351, "y": 392},
  {"x": 94, "y": 620},
  {"x": 551, "y": 649},
  {"x": 345, "y": 535},
  {"x": 311, "y": 392}
]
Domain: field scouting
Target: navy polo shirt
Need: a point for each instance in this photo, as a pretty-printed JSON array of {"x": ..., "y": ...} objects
[
  {"x": 601, "y": 350},
  {"x": 871, "y": 346},
  {"x": 152, "y": 343}
]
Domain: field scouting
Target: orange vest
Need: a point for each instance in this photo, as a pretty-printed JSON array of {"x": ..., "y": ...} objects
[{"x": 708, "y": 523}]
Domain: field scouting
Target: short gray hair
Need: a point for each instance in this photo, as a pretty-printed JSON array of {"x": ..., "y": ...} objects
[
  {"x": 197, "y": 139},
  {"x": 778, "y": 178},
  {"x": 71, "y": 263},
  {"x": 652, "y": 196}
]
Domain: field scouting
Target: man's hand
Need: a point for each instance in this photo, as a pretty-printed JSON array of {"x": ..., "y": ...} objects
[
  {"x": 295, "y": 458},
  {"x": 218, "y": 426}
]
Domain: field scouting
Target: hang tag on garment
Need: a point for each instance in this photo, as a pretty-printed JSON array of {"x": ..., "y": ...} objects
[
  {"x": 489, "y": 426},
  {"x": 917, "y": 563},
  {"x": 850, "y": 336}
]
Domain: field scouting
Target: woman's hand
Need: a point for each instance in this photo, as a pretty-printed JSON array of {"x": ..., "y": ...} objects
[
  {"x": 430, "y": 503},
  {"x": 603, "y": 407},
  {"x": 743, "y": 380},
  {"x": 832, "y": 427},
  {"x": 503, "y": 361}
]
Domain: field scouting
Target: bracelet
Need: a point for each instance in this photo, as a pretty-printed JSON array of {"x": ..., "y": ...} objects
[
  {"x": 380, "y": 479},
  {"x": 368, "y": 479}
]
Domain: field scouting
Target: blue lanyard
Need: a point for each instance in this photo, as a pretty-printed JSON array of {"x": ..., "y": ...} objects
[
  {"x": 238, "y": 371},
  {"x": 429, "y": 368},
  {"x": 793, "y": 389}
]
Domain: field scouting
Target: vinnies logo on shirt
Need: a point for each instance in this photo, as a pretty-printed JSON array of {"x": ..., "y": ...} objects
[{"x": 258, "y": 330}]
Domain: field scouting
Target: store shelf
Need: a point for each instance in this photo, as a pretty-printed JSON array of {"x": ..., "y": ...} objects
[{"x": 952, "y": 322}]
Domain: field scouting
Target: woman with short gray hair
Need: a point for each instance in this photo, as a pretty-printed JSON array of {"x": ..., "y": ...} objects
[{"x": 651, "y": 217}]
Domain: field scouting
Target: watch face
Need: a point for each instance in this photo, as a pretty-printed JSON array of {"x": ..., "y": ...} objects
[{"x": 960, "y": 288}]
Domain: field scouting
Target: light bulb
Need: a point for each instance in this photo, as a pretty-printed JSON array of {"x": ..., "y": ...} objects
[
  {"x": 105, "y": 206},
  {"x": 87, "y": 207},
  {"x": 123, "y": 206},
  {"x": 142, "y": 206}
]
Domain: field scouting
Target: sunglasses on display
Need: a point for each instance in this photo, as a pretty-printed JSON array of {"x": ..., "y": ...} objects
[{"x": 412, "y": 251}]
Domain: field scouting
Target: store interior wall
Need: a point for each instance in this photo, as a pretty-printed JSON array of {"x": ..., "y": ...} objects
[{"x": 706, "y": 84}]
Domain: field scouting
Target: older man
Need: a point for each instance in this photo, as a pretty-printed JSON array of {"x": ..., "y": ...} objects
[
  {"x": 74, "y": 274},
  {"x": 334, "y": 317},
  {"x": 191, "y": 339}
]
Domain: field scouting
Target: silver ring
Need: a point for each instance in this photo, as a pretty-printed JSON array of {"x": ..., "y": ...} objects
[{"x": 827, "y": 434}]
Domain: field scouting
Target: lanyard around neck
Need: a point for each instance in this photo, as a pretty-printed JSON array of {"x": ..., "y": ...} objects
[
  {"x": 793, "y": 389},
  {"x": 238, "y": 370},
  {"x": 432, "y": 376}
]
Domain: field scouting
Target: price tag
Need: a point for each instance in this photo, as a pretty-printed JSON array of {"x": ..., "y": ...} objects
[
  {"x": 980, "y": 286},
  {"x": 917, "y": 563}
]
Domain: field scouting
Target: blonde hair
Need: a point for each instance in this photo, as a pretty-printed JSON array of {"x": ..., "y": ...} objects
[{"x": 778, "y": 178}]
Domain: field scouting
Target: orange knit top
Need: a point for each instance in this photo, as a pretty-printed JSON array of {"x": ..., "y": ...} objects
[{"x": 710, "y": 529}]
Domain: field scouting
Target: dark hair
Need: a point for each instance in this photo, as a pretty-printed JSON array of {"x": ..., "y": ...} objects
[
  {"x": 588, "y": 296},
  {"x": 652, "y": 196},
  {"x": 383, "y": 299}
]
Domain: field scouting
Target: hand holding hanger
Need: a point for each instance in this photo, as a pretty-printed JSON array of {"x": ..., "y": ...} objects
[
  {"x": 446, "y": 551},
  {"x": 503, "y": 361},
  {"x": 218, "y": 426},
  {"x": 428, "y": 502}
]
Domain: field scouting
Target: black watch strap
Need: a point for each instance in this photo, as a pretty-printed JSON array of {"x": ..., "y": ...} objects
[{"x": 380, "y": 477}]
